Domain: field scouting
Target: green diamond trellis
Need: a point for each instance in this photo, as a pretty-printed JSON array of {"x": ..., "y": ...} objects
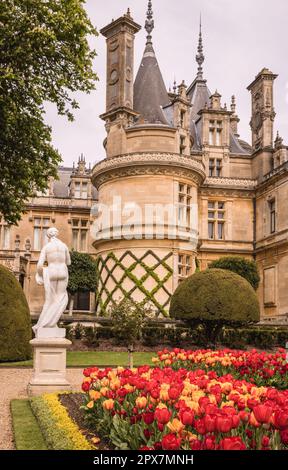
[{"x": 138, "y": 283}]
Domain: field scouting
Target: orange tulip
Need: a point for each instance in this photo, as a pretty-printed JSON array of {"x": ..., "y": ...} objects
[
  {"x": 108, "y": 404},
  {"x": 175, "y": 425},
  {"x": 141, "y": 402},
  {"x": 90, "y": 404},
  {"x": 94, "y": 395}
]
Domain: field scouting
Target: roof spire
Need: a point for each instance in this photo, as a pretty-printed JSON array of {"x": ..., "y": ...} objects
[
  {"x": 149, "y": 23},
  {"x": 200, "y": 56}
]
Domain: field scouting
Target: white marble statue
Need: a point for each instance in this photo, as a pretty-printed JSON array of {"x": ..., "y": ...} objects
[{"x": 52, "y": 271}]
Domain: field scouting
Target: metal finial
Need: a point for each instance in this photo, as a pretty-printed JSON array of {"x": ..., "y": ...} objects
[
  {"x": 200, "y": 56},
  {"x": 149, "y": 23},
  {"x": 233, "y": 104},
  {"x": 175, "y": 86}
]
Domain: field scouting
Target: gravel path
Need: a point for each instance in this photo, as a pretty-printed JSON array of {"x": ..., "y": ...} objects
[{"x": 13, "y": 384}]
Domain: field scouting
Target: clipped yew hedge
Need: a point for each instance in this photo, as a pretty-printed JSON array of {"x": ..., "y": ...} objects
[{"x": 15, "y": 320}]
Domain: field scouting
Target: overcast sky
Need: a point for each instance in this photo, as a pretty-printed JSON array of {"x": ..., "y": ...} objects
[{"x": 240, "y": 38}]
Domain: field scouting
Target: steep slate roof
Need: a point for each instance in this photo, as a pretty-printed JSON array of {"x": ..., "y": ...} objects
[
  {"x": 149, "y": 89},
  {"x": 150, "y": 93},
  {"x": 61, "y": 186},
  {"x": 199, "y": 95}
]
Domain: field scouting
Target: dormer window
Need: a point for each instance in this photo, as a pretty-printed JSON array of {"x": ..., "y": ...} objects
[
  {"x": 215, "y": 133},
  {"x": 80, "y": 189}
]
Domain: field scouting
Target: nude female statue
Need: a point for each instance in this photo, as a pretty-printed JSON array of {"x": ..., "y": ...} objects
[{"x": 54, "y": 276}]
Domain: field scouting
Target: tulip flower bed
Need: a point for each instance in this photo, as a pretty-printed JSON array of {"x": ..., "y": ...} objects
[
  {"x": 161, "y": 408},
  {"x": 260, "y": 368}
]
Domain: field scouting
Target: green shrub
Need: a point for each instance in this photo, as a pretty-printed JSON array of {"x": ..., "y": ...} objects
[
  {"x": 176, "y": 335},
  {"x": 215, "y": 298},
  {"x": 245, "y": 268},
  {"x": 78, "y": 331},
  {"x": 15, "y": 320},
  {"x": 105, "y": 332},
  {"x": 152, "y": 336},
  {"x": 91, "y": 337},
  {"x": 234, "y": 338}
]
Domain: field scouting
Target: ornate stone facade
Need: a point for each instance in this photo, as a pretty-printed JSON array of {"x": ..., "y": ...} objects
[{"x": 182, "y": 148}]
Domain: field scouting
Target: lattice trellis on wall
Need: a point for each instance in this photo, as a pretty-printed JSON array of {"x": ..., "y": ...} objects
[{"x": 131, "y": 277}]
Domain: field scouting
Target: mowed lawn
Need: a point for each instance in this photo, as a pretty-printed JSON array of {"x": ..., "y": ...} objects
[{"x": 95, "y": 358}]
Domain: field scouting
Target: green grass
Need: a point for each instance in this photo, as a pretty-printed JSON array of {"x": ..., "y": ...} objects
[
  {"x": 94, "y": 358},
  {"x": 27, "y": 433}
]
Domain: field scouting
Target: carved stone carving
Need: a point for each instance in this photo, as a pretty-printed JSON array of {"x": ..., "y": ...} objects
[
  {"x": 231, "y": 182},
  {"x": 148, "y": 164}
]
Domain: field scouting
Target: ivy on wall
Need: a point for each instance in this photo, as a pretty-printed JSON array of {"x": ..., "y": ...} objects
[{"x": 138, "y": 283}]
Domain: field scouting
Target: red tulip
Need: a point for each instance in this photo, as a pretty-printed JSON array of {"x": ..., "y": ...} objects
[
  {"x": 262, "y": 413},
  {"x": 174, "y": 393},
  {"x": 186, "y": 417},
  {"x": 232, "y": 443},
  {"x": 85, "y": 386},
  {"x": 148, "y": 417},
  {"x": 265, "y": 441},
  {"x": 200, "y": 426},
  {"x": 281, "y": 419},
  {"x": 147, "y": 433},
  {"x": 162, "y": 415},
  {"x": 209, "y": 443},
  {"x": 210, "y": 423},
  {"x": 224, "y": 423},
  {"x": 284, "y": 437},
  {"x": 195, "y": 444},
  {"x": 171, "y": 442}
]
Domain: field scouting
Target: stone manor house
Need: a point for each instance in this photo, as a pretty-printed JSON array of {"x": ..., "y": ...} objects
[{"x": 178, "y": 147}]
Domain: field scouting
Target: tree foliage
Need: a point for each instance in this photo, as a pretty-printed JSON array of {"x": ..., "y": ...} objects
[
  {"x": 128, "y": 320},
  {"x": 215, "y": 298},
  {"x": 242, "y": 266},
  {"x": 44, "y": 56},
  {"x": 82, "y": 273}
]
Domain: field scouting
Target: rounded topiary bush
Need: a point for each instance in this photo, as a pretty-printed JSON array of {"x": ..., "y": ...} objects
[
  {"x": 214, "y": 298},
  {"x": 15, "y": 321},
  {"x": 242, "y": 266}
]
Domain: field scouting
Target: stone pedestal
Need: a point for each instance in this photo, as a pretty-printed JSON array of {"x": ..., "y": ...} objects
[{"x": 49, "y": 360}]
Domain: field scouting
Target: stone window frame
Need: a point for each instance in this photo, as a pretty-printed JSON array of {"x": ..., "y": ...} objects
[
  {"x": 215, "y": 132},
  {"x": 215, "y": 167},
  {"x": 272, "y": 214},
  {"x": 275, "y": 302},
  {"x": 5, "y": 243},
  {"x": 185, "y": 265},
  {"x": 42, "y": 228},
  {"x": 217, "y": 219},
  {"x": 81, "y": 194},
  {"x": 184, "y": 204},
  {"x": 80, "y": 228}
]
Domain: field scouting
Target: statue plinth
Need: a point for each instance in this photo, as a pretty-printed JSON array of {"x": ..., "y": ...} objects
[
  {"x": 49, "y": 359},
  {"x": 56, "y": 332}
]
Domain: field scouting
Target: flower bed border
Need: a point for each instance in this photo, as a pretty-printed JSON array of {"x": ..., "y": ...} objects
[{"x": 58, "y": 429}]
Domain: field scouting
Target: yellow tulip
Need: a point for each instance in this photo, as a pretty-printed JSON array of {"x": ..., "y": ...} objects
[{"x": 175, "y": 425}]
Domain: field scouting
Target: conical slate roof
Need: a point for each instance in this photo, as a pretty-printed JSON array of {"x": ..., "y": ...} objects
[{"x": 150, "y": 93}]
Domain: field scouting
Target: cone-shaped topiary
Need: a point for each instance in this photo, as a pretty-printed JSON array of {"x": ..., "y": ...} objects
[
  {"x": 214, "y": 298},
  {"x": 15, "y": 320}
]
